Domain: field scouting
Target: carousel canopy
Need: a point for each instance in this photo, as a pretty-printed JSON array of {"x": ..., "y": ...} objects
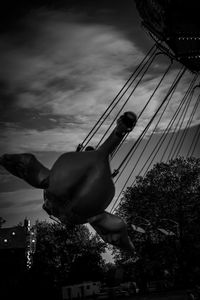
[{"x": 177, "y": 23}]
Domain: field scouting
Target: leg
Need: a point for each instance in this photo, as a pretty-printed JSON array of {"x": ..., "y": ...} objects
[
  {"x": 27, "y": 167},
  {"x": 124, "y": 125},
  {"x": 113, "y": 230}
]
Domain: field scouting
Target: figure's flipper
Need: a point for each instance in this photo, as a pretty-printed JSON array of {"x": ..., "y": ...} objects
[
  {"x": 113, "y": 230},
  {"x": 27, "y": 167}
]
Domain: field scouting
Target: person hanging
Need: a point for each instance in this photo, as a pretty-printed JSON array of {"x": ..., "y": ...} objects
[{"x": 79, "y": 186}]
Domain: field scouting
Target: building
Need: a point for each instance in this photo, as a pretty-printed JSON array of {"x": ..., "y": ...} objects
[
  {"x": 17, "y": 244},
  {"x": 82, "y": 290}
]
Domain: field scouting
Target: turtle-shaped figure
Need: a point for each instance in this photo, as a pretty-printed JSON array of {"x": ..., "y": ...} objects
[{"x": 79, "y": 186}]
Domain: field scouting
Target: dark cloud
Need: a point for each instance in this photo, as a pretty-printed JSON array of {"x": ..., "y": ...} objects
[
  {"x": 32, "y": 202},
  {"x": 61, "y": 84},
  {"x": 25, "y": 204},
  {"x": 13, "y": 11},
  {"x": 7, "y": 98},
  {"x": 6, "y": 204},
  {"x": 34, "y": 119},
  {"x": 122, "y": 14}
]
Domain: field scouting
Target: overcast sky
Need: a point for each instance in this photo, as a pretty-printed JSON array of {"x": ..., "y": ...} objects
[{"x": 62, "y": 64}]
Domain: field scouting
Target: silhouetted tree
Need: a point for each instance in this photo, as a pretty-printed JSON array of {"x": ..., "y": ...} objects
[
  {"x": 168, "y": 197},
  {"x": 66, "y": 255}
]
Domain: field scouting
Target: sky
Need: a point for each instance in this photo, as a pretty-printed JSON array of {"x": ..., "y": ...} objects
[{"x": 62, "y": 63}]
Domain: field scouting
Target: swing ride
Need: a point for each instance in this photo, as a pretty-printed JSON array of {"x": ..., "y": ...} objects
[{"x": 81, "y": 185}]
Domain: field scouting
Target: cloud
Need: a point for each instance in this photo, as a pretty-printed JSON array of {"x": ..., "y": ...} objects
[
  {"x": 65, "y": 67},
  {"x": 68, "y": 68},
  {"x": 17, "y": 205},
  {"x": 20, "y": 201},
  {"x": 57, "y": 139}
]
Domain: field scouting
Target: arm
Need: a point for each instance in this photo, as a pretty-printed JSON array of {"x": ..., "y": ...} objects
[
  {"x": 26, "y": 167},
  {"x": 113, "y": 230}
]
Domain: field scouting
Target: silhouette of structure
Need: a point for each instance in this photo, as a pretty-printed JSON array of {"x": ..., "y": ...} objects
[{"x": 17, "y": 244}]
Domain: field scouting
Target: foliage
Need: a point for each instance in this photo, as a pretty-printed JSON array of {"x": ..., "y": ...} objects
[
  {"x": 67, "y": 255},
  {"x": 110, "y": 274},
  {"x": 168, "y": 198}
]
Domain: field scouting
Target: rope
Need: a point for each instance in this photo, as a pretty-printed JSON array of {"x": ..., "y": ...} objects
[
  {"x": 180, "y": 122},
  {"x": 148, "y": 64},
  {"x": 161, "y": 140},
  {"x": 144, "y": 148},
  {"x": 163, "y": 137},
  {"x": 183, "y": 115},
  {"x": 194, "y": 141},
  {"x": 183, "y": 100},
  {"x": 103, "y": 116},
  {"x": 185, "y": 131},
  {"x": 138, "y": 118},
  {"x": 198, "y": 136},
  {"x": 174, "y": 84},
  {"x": 155, "y": 90}
]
